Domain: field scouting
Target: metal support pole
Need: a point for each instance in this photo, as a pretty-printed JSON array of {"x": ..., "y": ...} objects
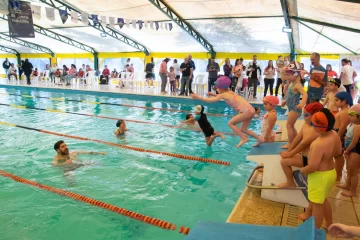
[{"x": 96, "y": 61}]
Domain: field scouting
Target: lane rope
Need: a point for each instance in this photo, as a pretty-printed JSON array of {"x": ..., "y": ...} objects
[
  {"x": 122, "y": 211},
  {"x": 114, "y": 104},
  {"x": 175, "y": 155},
  {"x": 105, "y": 117}
]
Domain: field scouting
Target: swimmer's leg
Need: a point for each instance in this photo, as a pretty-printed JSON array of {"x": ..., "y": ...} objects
[
  {"x": 209, "y": 140},
  {"x": 69, "y": 177}
]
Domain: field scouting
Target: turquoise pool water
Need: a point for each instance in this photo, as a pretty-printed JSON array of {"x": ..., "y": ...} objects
[{"x": 175, "y": 190}]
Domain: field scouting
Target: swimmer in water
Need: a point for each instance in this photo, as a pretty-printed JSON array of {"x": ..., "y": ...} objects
[
  {"x": 191, "y": 122},
  {"x": 65, "y": 158},
  {"x": 257, "y": 112},
  {"x": 121, "y": 128}
]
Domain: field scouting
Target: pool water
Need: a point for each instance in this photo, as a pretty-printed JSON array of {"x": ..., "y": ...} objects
[{"x": 171, "y": 189}]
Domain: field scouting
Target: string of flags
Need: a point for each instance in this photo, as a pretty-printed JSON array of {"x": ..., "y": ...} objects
[{"x": 112, "y": 21}]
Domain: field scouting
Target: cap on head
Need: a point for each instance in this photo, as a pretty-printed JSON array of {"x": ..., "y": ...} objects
[
  {"x": 335, "y": 81},
  {"x": 199, "y": 109},
  {"x": 324, "y": 120},
  {"x": 313, "y": 108},
  {"x": 223, "y": 82},
  {"x": 293, "y": 68},
  {"x": 119, "y": 122},
  {"x": 355, "y": 108},
  {"x": 272, "y": 100},
  {"x": 345, "y": 96}
]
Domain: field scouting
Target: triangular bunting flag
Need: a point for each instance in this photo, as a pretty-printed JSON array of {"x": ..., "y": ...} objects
[
  {"x": 127, "y": 22},
  {"x": 157, "y": 25},
  {"x": 14, "y": 4},
  {"x": 63, "y": 15},
  {"x": 166, "y": 26},
  {"x": 121, "y": 22},
  {"x": 36, "y": 10},
  {"x": 95, "y": 19},
  {"x": 140, "y": 24},
  {"x": 146, "y": 24},
  {"x": 50, "y": 14},
  {"x": 112, "y": 22},
  {"x": 161, "y": 25},
  {"x": 133, "y": 22},
  {"x": 74, "y": 17},
  {"x": 103, "y": 20},
  {"x": 152, "y": 25},
  {"x": 85, "y": 18},
  {"x": 170, "y": 26}
]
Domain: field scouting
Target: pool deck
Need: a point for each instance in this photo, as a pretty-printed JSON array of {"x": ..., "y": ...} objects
[{"x": 250, "y": 206}]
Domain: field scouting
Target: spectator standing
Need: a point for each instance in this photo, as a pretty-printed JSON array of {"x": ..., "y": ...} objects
[
  {"x": 331, "y": 73},
  {"x": 346, "y": 75},
  {"x": 227, "y": 68},
  {"x": 20, "y": 68},
  {"x": 269, "y": 80},
  {"x": 6, "y": 65},
  {"x": 192, "y": 63},
  {"x": 176, "y": 67},
  {"x": 53, "y": 70},
  {"x": 149, "y": 69},
  {"x": 163, "y": 72},
  {"x": 212, "y": 68},
  {"x": 187, "y": 71},
  {"x": 253, "y": 71},
  {"x": 318, "y": 79},
  {"x": 130, "y": 68},
  {"x": 105, "y": 74},
  {"x": 12, "y": 72},
  {"x": 279, "y": 65},
  {"x": 27, "y": 68}
]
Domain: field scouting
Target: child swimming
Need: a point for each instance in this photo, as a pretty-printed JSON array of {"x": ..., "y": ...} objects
[
  {"x": 205, "y": 126},
  {"x": 342, "y": 100},
  {"x": 294, "y": 92},
  {"x": 269, "y": 119},
  {"x": 257, "y": 112},
  {"x": 352, "y": 144},
  {"x": 245, "y": 112},
  {"x": 321, "y": 175},
  {"x": 121, "y": 128},
  {"x": 334, "y": 84},
  {"x": 191, "y": 122}
]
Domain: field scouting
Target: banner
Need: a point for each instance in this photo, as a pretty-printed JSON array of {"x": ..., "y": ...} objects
[
  {"x": 74, "y": 17},
  {"x": 157, "y": 25},
  {"x": 146, "y": 24},
  {"x": 121, "y": 22},
  {"x": 4, "y": 7},
  {"x": 63, "y": 15},
  {"x": 36, "y": 11},
  {"x": 133, "y": 22},
  {"x": 20, "y": 19},
  {"x": 127, "y": 23},
  {"x": 50, "y": 13},
  {"x": 85, "y": 18}
]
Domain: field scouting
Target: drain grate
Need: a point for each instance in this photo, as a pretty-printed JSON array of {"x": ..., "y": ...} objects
[{"x": 290, "y": 214}]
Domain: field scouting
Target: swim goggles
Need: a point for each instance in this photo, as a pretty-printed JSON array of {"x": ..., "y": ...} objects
[
  {"x": 313, "y": 125},
  {"x": 353, "y": 113},
  {"x": 306, "y": 114}
]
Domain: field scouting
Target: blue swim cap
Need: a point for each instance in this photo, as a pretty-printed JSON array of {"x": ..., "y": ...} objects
[{"x": 345, "y": 96}]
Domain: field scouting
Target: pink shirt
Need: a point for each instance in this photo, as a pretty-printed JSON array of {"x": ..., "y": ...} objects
[
  {"x": 163, "y": 67},
  {"x": 72, "y": 71}
]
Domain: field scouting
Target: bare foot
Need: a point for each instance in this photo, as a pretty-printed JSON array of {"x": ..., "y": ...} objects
[
  {"x": 286, "y": 146},
  {"x": 260, "y": 141},
  {"x": 286, "y": 185},
  {"x": 261, "y": 169},
  {"x": 348, "y": 194},
  {"x": 343, "y": 186},
  {"x": 304, "y": 216},
  {"x": 222, "y": 136},
  {"x": 242, "y": 142}
]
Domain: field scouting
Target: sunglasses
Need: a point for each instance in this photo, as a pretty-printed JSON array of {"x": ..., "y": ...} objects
[{"x": 353, "y": 113}]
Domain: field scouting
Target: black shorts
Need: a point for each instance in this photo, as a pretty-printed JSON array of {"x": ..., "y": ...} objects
[
  {"x": 305, "y": 161},
  {"x": 208, "y": 132},
  {"x": 149, "y": 75},
  {"x": 342, "y": 139},
  {"x": 177, "y": 77}
]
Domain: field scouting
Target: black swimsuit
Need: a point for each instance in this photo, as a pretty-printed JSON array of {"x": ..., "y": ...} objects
[{"x": 205, "y": 126}]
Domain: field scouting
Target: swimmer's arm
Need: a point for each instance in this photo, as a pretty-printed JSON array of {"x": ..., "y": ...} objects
[
  {"x": 344, "y": 118},
  {"x": 189, "y": 121},
  {"x": 316, "y": 154},
  {"x": 271, "y": 123},
  {"x": 95, "y": 153},
  {"x": 296, "y": 140},
  {"x": 303, "y": 94},
  {"x": 326, "y": 100},
  {"x": 217, "y": 98},
  {"x": 355, "y": 138}
]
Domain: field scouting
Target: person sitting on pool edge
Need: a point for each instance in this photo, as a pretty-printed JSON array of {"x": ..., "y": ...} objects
[
  {"x": 64, "y": 157},
  {"x": 205, "y": 126},
  {"x": 121, "y": 128}
]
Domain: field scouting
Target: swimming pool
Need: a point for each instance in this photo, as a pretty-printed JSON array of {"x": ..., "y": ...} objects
[{"x": 172, "y": 189}]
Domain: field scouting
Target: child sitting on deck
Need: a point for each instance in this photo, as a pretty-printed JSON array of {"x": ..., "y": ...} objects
[
  {"x": 334, "y": 84},
  {"x": 244, "y": 111},
  {"x": 295, "y": 90},
  {"x": 321, "y": 175},
  {"x": 352, "y": 143},
  {"x": 342, "y": 100},
  {"x": 205, "y": 126},
  {"x": 79, "y": 76},
  {"x": 121, "y": 128}
]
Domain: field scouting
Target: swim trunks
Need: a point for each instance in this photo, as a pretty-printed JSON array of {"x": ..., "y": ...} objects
[
  {"x": 208, "y": 132},
  {"x": 341, "y": 138},
  {"x": 305, "y": 161},
  {"x": 320, "y": 185}
]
